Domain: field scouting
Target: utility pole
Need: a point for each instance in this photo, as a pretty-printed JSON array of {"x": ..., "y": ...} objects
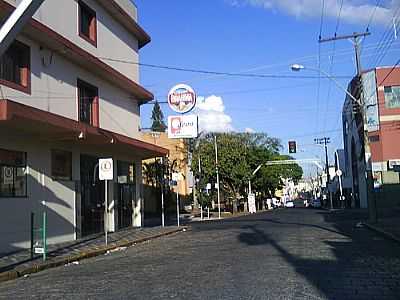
[
  {"x": 356, "y": 40},
  {"x": 325, "y": 141},
  {"x": 216, "y": 170}
]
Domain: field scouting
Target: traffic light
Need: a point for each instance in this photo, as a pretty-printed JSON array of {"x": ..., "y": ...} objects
[{"x": 292, "y": 147}]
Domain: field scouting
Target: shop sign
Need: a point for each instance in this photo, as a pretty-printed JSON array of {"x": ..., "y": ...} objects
[
  {"x": 182, "y": 127},
  {"x": 394, "y": 164},
  {"x": 106, "y": 169},
  {"x": 182, "y": 98}
]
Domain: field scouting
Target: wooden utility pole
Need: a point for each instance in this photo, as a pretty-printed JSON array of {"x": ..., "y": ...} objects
[{"x": 356, "y": 39}]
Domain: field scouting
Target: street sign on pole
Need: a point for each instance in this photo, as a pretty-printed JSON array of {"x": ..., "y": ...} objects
[
  {"x": 106, "y": 172},
  {"x": 106, "y": 169}
]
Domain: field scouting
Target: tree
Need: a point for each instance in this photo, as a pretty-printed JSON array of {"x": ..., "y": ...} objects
[
  {"x": 157, "y": 117},
  {"x": 239, "y": 154}
]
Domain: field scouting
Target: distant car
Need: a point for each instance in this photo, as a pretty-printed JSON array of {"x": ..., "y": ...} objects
[
  {"x": 289, "y": 204},
  {"x": 316, "y": 203}
]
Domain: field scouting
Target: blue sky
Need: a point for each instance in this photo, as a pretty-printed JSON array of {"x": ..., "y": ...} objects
[{"x": 262, "y": 37}]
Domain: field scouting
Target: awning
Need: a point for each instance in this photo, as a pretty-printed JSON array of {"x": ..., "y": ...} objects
[{"x": 49, "y": 126}]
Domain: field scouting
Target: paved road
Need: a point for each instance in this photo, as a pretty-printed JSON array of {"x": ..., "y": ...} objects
[{"x": 285, "y": 254}]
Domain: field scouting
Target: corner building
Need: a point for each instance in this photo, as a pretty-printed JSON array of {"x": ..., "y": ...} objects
[{"x": 65, "y": 102}]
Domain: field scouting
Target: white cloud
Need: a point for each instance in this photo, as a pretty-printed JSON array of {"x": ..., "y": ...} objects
[
  {"x": 353, "y": 11},
  {"x": 249, "y": 130},
  {"x": 212, "y": 117}
]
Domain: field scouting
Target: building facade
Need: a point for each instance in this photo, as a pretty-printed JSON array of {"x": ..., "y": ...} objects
[
  {"x": 381, "y": 91},
  {"x": 178, "y": 161},
  {"x": 66, "y": 101}
]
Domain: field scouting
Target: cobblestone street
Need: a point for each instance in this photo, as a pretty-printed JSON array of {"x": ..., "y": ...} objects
[{"x": 285, "y": 254}]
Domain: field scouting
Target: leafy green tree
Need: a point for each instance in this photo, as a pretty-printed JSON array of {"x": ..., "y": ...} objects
[
  {"x": 157, "y": 117},
  {"x": 239, "y": 154}
]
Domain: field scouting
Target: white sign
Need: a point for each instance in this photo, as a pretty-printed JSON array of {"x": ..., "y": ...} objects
[
  {"x": 39, "y": 250},
  {"x": 176, "y": 176},
  {"x": 8, "y": 175},
  {"x": 182, "y": 127},
  {"x": 208, "y": 186},
  {"x": 393, "y": 162},
  {"x": 106, "y": 169},
  {"x": 251, "y": 199},
  {"x": 339, "y": 173},
  {"x": 182, "y": 98}
]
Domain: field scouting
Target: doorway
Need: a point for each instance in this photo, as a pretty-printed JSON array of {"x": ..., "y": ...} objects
[
  {"x": 126, "y": 193},
  {"x": 92, "y": 197}
]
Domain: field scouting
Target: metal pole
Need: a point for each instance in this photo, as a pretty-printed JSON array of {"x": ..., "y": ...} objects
[
  {"x": 216, "y": 169},
  {"x": 162, "y": 193},
  {"x": 106, "y": 211},
  {"x": 340, "y": 179},
  {"x": 177, "y": 203},
  {"x": 44, "y": 228},
  {"x": 32, "y": 232},
  {"x": 199, "y": 187}
]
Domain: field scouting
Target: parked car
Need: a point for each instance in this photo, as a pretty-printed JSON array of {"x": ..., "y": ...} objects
[{"x": 289, "y": 204}]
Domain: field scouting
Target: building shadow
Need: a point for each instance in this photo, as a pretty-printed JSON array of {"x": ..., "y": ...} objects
[{"x": 358, "y": 267}]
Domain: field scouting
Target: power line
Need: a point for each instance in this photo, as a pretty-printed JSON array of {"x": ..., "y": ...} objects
[
  {"x": 209, "y": 72},
  {"x": 372, "y": 14},
  {"x": 331, "y": 65}
]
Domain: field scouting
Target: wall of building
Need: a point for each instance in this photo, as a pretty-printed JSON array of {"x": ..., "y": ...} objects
[
  {"x": 53, "y": 89},
  {"x": 177, "y": 152},
  {"x": 62, "y": 198},
  {"x": 113, "y": 40}
]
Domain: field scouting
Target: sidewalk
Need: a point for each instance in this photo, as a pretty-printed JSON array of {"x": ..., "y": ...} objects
[
  {"x": 20, "y": 264},
  {"x": 388, "y": 227}
]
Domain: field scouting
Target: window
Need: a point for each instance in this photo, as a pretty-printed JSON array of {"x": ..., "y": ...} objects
[
  {"x": 61, "y": 165},
  {"x": 87, "y": 23},
  {"x": 88, "y": 103},
  {"x": 126, "y": 172},
  {"x": 392, "y": 96},
  {"x": 13, "y": 176},
  {"x": 15, "y": 67}
]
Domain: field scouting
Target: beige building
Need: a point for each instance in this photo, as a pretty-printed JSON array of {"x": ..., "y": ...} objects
[
  {"x": 177, "y": 157},
  {"x": 67, "y": 100}
]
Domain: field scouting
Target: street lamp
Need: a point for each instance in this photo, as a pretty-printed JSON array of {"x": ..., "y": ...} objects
[
  {"x": 298, "y": 67},
  {"x": 254, "y": 173}
]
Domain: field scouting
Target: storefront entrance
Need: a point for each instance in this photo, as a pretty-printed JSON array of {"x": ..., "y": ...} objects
[
  {"x": 92, "y": 197},
  {"x": 126, "y": 189}
]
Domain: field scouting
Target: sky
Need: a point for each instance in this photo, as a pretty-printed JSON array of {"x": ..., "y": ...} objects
[{"x": 264, "y": 37}]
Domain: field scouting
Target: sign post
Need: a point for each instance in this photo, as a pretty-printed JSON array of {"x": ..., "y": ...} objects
[
  {"x": 106, "y": 172},
  {"x": 175, "y": 178}
]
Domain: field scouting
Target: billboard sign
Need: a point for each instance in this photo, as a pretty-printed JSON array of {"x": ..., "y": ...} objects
[
  {"x": 182, "y": 127},
  {"x": 182, "y": 98},
  {"x": 371, "y": 100}
]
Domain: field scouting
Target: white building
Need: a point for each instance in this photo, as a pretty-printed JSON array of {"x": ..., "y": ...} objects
[{"x": 67, "y": 100}]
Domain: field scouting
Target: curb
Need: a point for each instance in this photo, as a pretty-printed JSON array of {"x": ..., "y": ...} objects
[
  {"x": 382, "y": 232},
  {"x": 14, "y": 274}
]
